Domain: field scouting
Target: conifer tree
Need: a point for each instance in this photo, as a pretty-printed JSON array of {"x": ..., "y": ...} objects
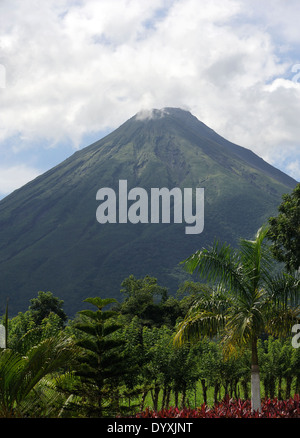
[{"x": 101, "y": 365}]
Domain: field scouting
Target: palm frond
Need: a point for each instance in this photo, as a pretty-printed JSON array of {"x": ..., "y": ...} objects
[
  {"x": 256, "y": 259},
  {"x": 206, "y": 318},
  {"x": 219, "y": 263},
  {"x": 281, "y": 321},
  {"x": 20, "y": 374},
  {"x": 11, "y": 365},
  {"x": 284, "y": 290}
]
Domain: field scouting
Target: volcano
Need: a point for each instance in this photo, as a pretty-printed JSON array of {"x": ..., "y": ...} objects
[{"x": 52, "y": 240}]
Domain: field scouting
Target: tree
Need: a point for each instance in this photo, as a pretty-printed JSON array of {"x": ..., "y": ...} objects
[
  {"x": 19, "y": 374},
  {"x": 44, "y": 304},
  {"x": 135, "y": 359},
  {"x": 247, "y": 303},
  {"x": 145, "y": 298},
  {"x": 276, "y": 357},
  {"x": 156, "y": 370},
  {"x": 190, "y": 291},
  {"x": 295, "y": 365},
  {"x": 101, "y": 364},
  {"x": 167, "y": 368},
  {"x": 269, "y": 353},
  {"x": 284, "y": 231},
  {"x": 24, "y": 333}
]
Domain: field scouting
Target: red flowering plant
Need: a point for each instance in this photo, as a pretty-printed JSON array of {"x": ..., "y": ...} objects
[{"x": 230, "y": 408}]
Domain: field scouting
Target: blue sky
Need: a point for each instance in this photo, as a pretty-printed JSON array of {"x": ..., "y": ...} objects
[{"x": 73, "y": 71}]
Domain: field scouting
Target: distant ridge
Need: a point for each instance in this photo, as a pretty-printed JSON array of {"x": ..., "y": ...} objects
[{"x": 50, "y": 238}]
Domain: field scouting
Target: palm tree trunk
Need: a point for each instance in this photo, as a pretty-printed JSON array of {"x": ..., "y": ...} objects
[
  {"x": 145, "y": 392},
  {"x": 168, "y": 397},
  {"x": 288, "y": 387},
  {"x": 176, "y": 398},
  {"x": 183, "y": 398},
  {"x": 255, "y": 379},
  {"x": 155, "y": 395},
  {"x": 280, "y": 397},
  {"x": 244, "y": 384},
  {"x": 204, "y": 391},
  {"x": 216, "y": 390}
]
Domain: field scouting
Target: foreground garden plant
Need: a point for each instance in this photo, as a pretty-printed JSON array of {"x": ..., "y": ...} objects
[{"x": 230, "y": 408}]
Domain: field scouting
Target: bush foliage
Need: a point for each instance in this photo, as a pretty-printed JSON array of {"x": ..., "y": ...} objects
[{"x": 231, "y": 408}]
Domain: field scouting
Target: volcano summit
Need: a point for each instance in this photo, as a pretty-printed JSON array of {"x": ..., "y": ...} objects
[{"x": 51, "y": 240}]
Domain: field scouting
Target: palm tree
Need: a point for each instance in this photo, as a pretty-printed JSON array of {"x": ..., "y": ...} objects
[
  {"x": 20, "y": 375},
  {"x": 250, "y": 300}
]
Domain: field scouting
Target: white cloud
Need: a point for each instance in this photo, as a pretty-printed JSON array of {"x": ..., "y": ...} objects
[
  {"x": 281, "y": 18},
  {"x": 294, "y": 168},
  {"x": 79, "y": 67},
  {"x": 14, "y": 177}
]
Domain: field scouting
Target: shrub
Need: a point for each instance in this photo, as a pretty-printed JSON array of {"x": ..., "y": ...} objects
[{"x": 230, "y": 408}]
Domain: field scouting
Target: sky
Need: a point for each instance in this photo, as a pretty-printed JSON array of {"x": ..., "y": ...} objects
[{"x": 73, "y": 71}]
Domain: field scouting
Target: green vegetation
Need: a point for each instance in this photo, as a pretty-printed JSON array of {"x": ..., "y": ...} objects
[
  {"x": 24, "y": 385},
  {"x": 120, "y": 358},
  {"x": 102, "y": 365},
  {"x": 249, "y": 301},
  {"x": 285, "y": 231}
]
